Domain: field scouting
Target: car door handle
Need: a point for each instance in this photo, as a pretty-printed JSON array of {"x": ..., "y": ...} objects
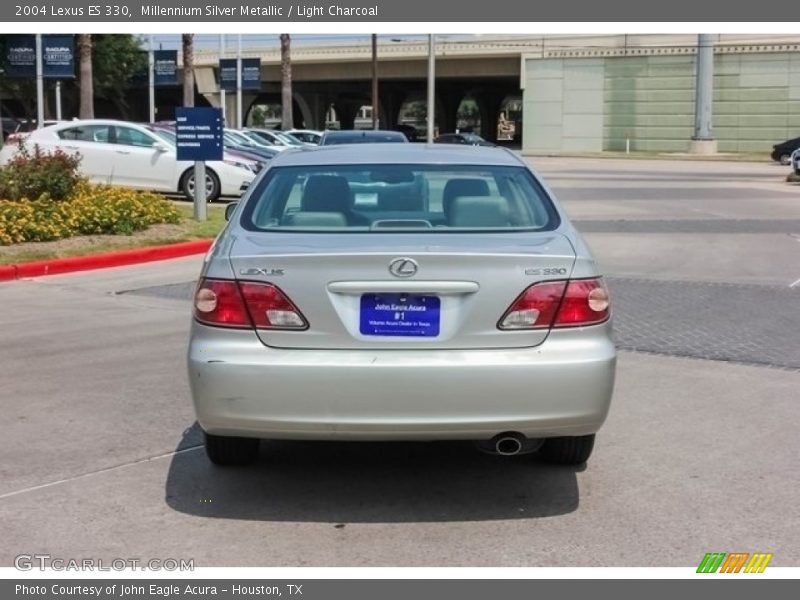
[
  {"x": 123, "y": 151},
  {"x": 71, "y": 147}
]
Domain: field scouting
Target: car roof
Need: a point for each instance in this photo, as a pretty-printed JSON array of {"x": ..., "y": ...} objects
[
  {"x": 363, "y": 134},
  {"x": 433, "y": 154}
]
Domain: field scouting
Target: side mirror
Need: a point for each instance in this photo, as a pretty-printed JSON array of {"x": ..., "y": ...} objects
[
  {"x": 229, "y": 210},
  {"x": 159, "y": 147}
]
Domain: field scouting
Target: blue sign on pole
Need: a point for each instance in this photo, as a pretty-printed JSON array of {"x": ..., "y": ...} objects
[
  {"x": 198, "y": 133},
  {"x": 21, "y": 56},
  {"x": 58, "y": 57},
  {"x": 165, "y": 68},
  {"x": 227, "y": 74}
]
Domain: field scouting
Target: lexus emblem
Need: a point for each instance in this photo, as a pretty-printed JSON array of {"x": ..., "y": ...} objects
[{"x": 403, "y": 267}]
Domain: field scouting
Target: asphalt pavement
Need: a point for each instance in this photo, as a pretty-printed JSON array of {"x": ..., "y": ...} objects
[{"x": 101, "y": 456}]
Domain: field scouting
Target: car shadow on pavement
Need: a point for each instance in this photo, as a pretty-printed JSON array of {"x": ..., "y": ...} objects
[{"x": 365, "y": 482}]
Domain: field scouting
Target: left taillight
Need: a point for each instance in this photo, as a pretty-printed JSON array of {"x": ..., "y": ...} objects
[{"x": 245, "y": 304}]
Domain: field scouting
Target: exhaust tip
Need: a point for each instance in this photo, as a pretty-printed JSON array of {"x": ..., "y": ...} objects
[{"x": 508, "y": 444}]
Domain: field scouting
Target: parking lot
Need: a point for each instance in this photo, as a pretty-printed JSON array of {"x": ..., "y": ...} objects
[{"x": 102, "y": 458}]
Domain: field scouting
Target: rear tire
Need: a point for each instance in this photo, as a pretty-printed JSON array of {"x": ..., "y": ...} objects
[
  {"x": 213, "y": 187},
  {"x": 785, "y": 159},
  {"x": 567, "y": 450},
  {"x": 230, "y": 451}
]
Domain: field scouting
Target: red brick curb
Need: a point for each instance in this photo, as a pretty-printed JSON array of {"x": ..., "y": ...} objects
[{"x": 102, "y": 261}]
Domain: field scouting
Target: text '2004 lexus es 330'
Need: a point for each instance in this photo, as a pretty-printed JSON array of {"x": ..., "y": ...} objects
[{"x": 401, "y": 292}]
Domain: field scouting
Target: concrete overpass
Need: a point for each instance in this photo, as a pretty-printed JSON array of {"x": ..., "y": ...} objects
[
  {"x": 340, "y": 76},
  {"x": 576, "y": 93}
]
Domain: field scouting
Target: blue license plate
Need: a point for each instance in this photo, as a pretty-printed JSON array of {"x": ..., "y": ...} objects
[{"x": 400, "y": 315}]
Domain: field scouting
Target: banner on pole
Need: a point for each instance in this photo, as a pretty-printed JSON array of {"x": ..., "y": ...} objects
[
  {"x": 227, "y": 74},
  {"x": 21, "y": 57},
  {"x": 165, "y": 68},
  {"x": 58, "y": 56},
  {"x": 251, "y": 74}
]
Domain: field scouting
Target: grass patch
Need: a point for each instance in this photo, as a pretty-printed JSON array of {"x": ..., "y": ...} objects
[{"x": 155, "y": 235}]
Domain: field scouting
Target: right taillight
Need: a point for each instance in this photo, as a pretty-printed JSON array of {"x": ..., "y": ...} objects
[
  {"x": 245, "y": 304},
  {"x": 558, "y": 304}
]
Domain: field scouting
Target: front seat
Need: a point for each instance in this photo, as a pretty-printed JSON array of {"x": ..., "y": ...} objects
[
  {"x": 330, "y": 193},
  {"x": 467, "y": 186}
]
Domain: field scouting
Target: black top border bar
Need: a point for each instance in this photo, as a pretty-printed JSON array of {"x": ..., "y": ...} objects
[{"x": 387, "y": 11}]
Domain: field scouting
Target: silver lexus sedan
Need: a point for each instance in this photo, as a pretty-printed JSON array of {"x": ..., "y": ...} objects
[{"x": 401, "y": 292}]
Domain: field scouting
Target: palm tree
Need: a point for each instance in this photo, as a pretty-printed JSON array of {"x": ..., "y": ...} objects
[
  {"x": 86, "y": 108},
  {"x": 188, "y": 69},
  {"x": 287, "y": 122}
]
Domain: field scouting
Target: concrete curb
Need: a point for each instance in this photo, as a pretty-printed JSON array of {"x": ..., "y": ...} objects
[{"x": 102, "y": 261}]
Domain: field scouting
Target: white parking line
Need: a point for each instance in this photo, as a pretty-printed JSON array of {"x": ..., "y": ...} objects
[
  {"x": 89, "y": 474},
  {"x": 795, "y": 283}
]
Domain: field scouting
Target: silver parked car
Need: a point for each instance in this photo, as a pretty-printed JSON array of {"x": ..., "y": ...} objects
[{"x": 401, "y": 292}]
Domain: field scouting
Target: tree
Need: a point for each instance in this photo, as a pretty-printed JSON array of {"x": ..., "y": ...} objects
[
  {"x": 188, "y": 69},
  {"x": 258, "y": 116},
  {"x": 287, "y": 122},
  {"x": 116, "y": 59},
  {"x": 86, "y": 104}
]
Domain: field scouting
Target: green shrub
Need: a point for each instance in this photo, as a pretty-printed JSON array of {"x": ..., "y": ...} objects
[
  {"x": 93, "y": 209},
  {"x": 31, "y": 175}
]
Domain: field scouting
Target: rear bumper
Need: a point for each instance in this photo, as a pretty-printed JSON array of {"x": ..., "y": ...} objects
[{"x": 242, "y": 388}]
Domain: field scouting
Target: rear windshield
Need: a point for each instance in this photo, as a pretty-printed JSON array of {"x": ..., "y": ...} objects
[{"x": 424, "y": 198}]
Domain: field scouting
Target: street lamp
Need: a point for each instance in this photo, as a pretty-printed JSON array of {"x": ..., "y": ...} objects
[
  {"x": 431, "y": 84},
  {"x": 375, "y": 100}
]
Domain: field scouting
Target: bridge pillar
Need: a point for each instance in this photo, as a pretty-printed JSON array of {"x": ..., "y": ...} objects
[
  {"x": 449, "y": 101},
  {"x": 347, "y": 111},
  {"x": 391, "y": 100}
]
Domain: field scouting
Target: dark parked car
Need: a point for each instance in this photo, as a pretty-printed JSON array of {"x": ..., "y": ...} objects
[
  {"x": 409, "y": 131},
  {"x": 362, "y": 136},
  {"x": 783, "y": 152},
  {"x": 466, "y": 139}
]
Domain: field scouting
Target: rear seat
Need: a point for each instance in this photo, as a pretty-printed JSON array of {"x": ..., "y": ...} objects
[{"x": 315, "y": 219}]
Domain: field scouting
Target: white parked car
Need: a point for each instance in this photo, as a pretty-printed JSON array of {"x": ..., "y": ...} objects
[
  {"x": 273, "y": 137},
  {"x": 130, "y": 155},
  {"x": 309, "y": 136}
]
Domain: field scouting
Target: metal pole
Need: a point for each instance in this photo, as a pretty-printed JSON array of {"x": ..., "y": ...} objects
[
  {"x": 239, "y": 84},
  {"x": 39, "y": 84},
  {"x": 200, "y": 190},
  {"x": 151, "y": 84},
  {"x": 375, "y": 101},
  {"x": 431, "y": 84},
  {"x": 221, "y": 89},
  {"x": 58, "y": 100},
  {"x": 705, "y": 87}
]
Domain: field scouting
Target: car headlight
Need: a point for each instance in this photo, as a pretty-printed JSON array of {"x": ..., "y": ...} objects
[{"x": 242, "y": 165}]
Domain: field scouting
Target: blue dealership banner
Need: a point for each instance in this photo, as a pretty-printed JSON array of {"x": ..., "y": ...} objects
[
  {"x": 21, "y": 57},
  {"x": 251, "y": 74},
  {"x": 58, "y": 56},
  {"x": 227, "y": 74},
  {"x": 165, "y": 68}
]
